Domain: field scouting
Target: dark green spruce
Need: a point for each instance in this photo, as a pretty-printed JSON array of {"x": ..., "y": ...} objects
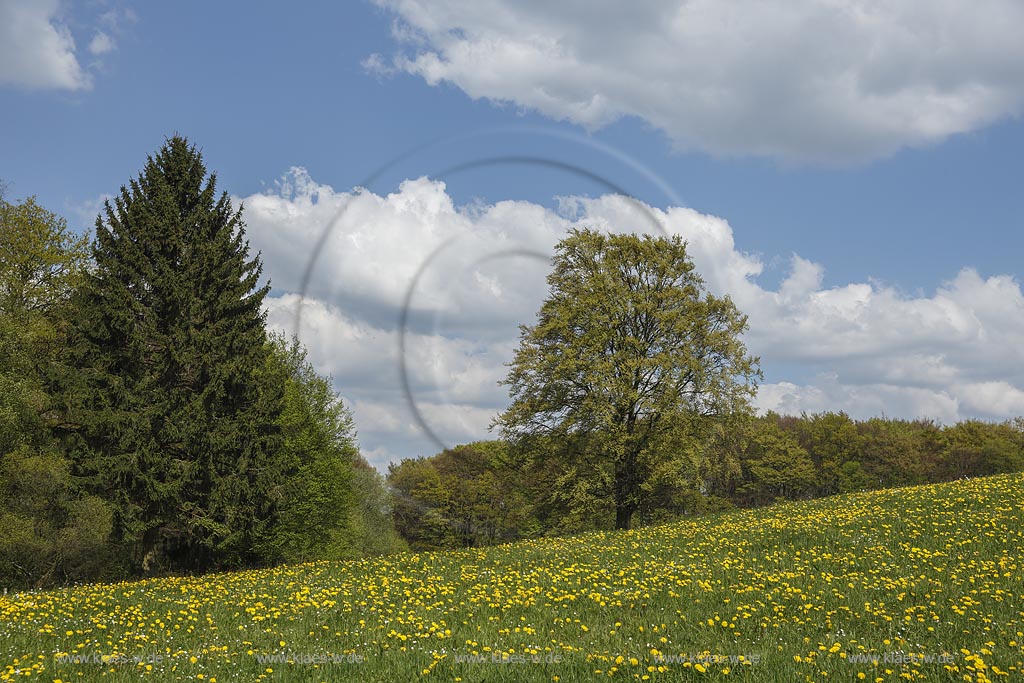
[{"x": 171, "y": 414}]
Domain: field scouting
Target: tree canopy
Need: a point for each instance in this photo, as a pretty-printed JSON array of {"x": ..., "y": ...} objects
[
  {"x": 49, "y": 531},
  {"x": 628, "y": 355}
]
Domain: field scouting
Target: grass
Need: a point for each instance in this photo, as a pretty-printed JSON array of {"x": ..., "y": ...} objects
[{"x": 918, "y": 583}]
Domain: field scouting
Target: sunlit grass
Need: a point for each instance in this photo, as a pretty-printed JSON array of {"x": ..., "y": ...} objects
[{"x": 802, "y": 591}]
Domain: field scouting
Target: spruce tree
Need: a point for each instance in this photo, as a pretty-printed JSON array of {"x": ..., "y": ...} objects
[{"x": 171, "y": 412}]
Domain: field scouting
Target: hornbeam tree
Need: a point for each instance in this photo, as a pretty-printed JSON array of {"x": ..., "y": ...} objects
[
  {"x": 170, "y": 412},
  {"x": 629, "y": 357}
]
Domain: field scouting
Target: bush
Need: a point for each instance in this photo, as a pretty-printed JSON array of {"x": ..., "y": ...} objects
[{"x": 49, "y": 532}]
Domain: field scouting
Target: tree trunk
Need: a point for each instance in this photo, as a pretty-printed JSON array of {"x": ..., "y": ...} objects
[
  {"x": 626, "y": 491},
  {"x": 623, "y": 516}
]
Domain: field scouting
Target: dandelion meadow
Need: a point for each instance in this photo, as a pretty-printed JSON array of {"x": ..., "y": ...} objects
[{"x": 917, "y": 583}]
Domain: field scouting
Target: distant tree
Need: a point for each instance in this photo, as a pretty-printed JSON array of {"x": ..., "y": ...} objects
[
  {"x": 833, "y": 444},
  {"x": 465, "y": 496},
  {"x": 170, "y": 413},
  {"x": 372, "y": 518},
  {"x": 487, "y": 503},
  {"x": 775, "y": 466},
  {"x": 901, "y": 452},
  {"x": 975, "y": 448},
  {"x": 628, "y": 356},
  {"x": 420, "y": 497}
]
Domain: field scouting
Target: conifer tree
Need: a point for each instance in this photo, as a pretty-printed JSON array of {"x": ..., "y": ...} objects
[{"x": 170, "y": 411}]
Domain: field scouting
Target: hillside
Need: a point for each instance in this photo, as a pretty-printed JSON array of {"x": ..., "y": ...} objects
[{"x": 917, "y": 583}]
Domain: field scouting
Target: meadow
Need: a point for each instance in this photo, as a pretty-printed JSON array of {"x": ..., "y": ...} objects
[{"x": 918, "y": 583}]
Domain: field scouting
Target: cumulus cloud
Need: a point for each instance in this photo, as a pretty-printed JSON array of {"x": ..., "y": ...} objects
[
  {"x": 378, "y": 244},
  {"x": 101, "y": 44},
  {"x": 454, "y": 380},
  {"x": 36, "y": 50},
  {"x": 472, "y": 274},
  {"x": 866, "y": 400},
  {"x": 799, "y": 80}
]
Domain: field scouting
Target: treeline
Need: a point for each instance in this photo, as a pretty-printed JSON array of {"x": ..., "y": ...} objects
[
  {"x": 148, "y": 421},
  {"x": 484, "y": 493},
  {"x": 631, "y": 402}
]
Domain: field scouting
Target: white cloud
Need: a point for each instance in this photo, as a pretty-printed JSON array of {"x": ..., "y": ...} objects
[
  {"x": 944, "y": 403},
  {"x": 86, "y": 212},
  {"x": 800, "y": 80},
  {"x": 101, "y": 44},
  {"x": 858, "y": 401},
  {"x": 861, "y": 347},
  {"x": 36, "y": 50},
  {"x": 995, "y": 399},
  {"x": 379, "y": 243}
]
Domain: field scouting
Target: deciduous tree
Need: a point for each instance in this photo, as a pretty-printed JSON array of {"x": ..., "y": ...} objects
[
  {"x": 49, "y": 530},
  {"x": 629, "y": 353}
]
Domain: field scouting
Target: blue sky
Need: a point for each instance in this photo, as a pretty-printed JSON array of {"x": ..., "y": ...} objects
[{"x": 830, "y": 151}]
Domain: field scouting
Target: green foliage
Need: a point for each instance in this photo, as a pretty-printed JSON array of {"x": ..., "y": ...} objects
[
  {"x": 628, "y": 356},
  {"x": 49, "y": 531},
  {"x": 318, "y": 448},
  {"x": 848, "y": 456},
  {"x": 167, "y": 412},
  {"x": 331, "y": 503},
  {"x": 41, "y": 260},
  {"x": 897, "y": 452},
  {"x": 979, "y": 449},
  {"x": 372, "y": 521},
  {"x": 831, "y": 440},
  {"x": 418, "y": 495},
  {"x": 852, "y": 477},
  {"x": 775, "y": 466},
  {"x": 462, "y": 497}
]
